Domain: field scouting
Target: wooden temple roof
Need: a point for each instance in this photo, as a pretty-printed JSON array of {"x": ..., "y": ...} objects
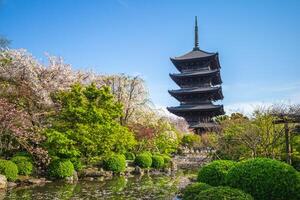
[
  {"x": 194, "y": 54},
  {"x": 200, "y": 107}
]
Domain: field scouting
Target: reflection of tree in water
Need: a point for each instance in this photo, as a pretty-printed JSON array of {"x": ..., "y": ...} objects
[
  {"x": 144, "y": 187},
  {"x": 61, "y": 191}
]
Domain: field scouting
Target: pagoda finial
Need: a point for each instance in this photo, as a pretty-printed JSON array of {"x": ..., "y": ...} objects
[{"x": 196, "y": 47}]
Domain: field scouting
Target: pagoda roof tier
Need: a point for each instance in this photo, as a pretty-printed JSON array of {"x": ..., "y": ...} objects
[
  {"x": 195, "y": 59},
  {"x": 194, "y": 54},
  {"x": 215, "y": 74},
  {"x": 202, "y": 108},
  {"x": 213, "y": 93}
]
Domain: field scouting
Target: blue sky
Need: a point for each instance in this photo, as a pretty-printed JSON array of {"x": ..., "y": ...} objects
[{"x": 258, "y": 41}]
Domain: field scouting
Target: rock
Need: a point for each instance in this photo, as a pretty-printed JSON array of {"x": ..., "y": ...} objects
[
  {"x": 11, "y": 184},
  {"x": 89, "y": 178},
  {"x": 92, "y": 172},
  {"x": 69, "y": 179},
  {"x": 3, "y": 182},
  {"x": 138, "y": 170},
  {"x": 173, "y": 166},
  {"x": 75, "y": 176}
]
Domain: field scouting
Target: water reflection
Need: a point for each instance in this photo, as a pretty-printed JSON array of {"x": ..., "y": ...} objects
[{"x": 145, "y": 187}]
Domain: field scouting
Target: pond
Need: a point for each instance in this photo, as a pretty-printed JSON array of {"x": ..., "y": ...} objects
[{"x": 145, "y": 187}]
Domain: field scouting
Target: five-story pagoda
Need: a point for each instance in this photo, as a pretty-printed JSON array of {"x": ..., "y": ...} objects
[{"x": 200, "y": 85}]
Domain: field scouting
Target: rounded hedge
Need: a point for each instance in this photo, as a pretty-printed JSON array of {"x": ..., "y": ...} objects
[
  {"x": 221, "y": 193},
  {"x": 215, "y": 172},
  {"x": 115, "y": 163},
  {"x": 60, "y": 168},
  {"x": 24, "y": 164},
  {"x": 157, "y": 161},
  {"x": 191, "y": 191},
  {"x": 77, "y": 164},
  {"x": 167, "y": 160},
  {"x": 129, "y": 156},
  {"x": 265, "y": 179},
  {"x": 9, "y": 169},
  {"x": 143, "y": 160}
]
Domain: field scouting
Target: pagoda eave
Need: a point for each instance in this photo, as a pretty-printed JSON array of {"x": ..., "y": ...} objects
[{"x": 196, "y": 108}]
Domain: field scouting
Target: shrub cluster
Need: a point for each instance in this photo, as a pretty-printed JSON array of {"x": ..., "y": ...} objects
[
  {"x": 76, "y": 163},
  {"x": 24, "y": 164},
  {"x": 9, "y": 169},
  {"x": 167, "y": 160},
  {"x": 221, "y": 193},
  {"x": 265, "y": 179},
  {"x": 215, "y": 172},
  {"x": 115, "y": 163},
  {"x": 129, "y": 156},
  {"x": 191, "y": 191},
  {"x": 157, "y": 161},
  {"x": 143, "y": 160},
  {"x": 60, "y": 168}
]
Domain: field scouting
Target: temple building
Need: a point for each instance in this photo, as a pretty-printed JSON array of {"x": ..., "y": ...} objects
[{"x": 200, "y": 85}]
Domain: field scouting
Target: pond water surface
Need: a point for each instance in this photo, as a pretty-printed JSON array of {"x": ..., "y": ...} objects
[{"x": 146, "y": 187}]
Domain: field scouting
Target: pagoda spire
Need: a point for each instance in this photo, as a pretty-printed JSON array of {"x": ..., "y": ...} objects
[{"x": 196, "y": 47}]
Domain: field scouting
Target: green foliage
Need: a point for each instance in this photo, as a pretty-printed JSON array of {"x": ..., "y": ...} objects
[
  {"x": 157, "y": 161},
  {"x": 191, "y": 191},
  {"x": 76, "y": 163},
  {"x": 215, "y": 172},
  {"x": 129, "y": 156},
  {"x": 167, "y": 160},
  {"x": 24, "y": 164},
  {"x": 166, "y": 142},
  {"x": 143, "y": 160},
  {"x": 115, "y": 163},
  {"x": 60, "y": 168},
  {"x": 9, "y": 169},
  {"x": 265, "y": 179},
  {"x": 244, "y": 138},
  {"x": 223, "y": 193},
  {"x": 190, "y": 140},
  {"x": 86, "y": 124}
]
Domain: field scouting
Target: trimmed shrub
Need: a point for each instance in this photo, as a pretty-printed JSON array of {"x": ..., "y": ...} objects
[
  {"x": 157, "y": 161},
  {"x": 143, "y": 160},
  {"x": 9, "y": 169},
  {"x": 221, "y": 193},
  {"x": 76, "y": 163},
  {"x": 191, "y": 191},
  {"x": 265, "y": 179},
  {"x": 115, "y": 163},
  {"x": 60, "y": 168},
  {"x": 129, "y": 156},
  {"x": 215, "y": 172},
  {"x": 167, "y": 160},
  {"x": 24, "y": 164}
]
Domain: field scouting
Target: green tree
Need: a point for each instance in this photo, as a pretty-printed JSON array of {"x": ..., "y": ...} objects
[{"x": 85, "y": 124}]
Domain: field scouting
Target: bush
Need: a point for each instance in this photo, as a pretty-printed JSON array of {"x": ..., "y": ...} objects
[
  {"x": 24, "y": 164},
  {"x": 115, "y": 163},
  {"x": 9, "y": 169},
  {"x": 221, "y": 193},
  {"x": 143, "y": 160},
  {"x": 190, "y": 140},
  {"x": 215, "y": 172},
  {"x": 167, "y": 160},
  {"x": 265, "y": 179},
  {"x": 157, "y": 161},
  {"x": 191, "y": 191},
  {"x": 60, "y": 168},
  {"x": 76, "y": 163},
  {"x": 129, "y": 156}
]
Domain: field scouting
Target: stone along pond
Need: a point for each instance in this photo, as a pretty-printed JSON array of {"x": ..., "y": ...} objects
[{"x": 137, "y": 187}]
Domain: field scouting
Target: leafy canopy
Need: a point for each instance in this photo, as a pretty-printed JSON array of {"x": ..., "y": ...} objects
[{"x": 85, "y": 124}]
